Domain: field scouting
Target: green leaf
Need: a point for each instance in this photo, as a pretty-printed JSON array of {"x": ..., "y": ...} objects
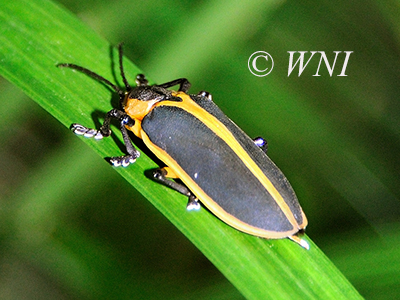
[{"x": 37, "y": 35}]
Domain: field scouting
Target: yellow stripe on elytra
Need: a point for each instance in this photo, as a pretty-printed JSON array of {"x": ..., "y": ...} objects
[{"x": 220, "y": 130}]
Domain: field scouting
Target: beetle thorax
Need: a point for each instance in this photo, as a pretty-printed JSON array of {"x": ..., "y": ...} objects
[
  {"x": 138, "y": 109},
  {"x": 140, "y": 101}
]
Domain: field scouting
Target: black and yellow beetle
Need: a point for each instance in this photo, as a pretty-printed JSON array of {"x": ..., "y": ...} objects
[{"x": 219, "y": 165}]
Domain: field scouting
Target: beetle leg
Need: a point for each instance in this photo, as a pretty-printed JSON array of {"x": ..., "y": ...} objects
[
  {"x": 184, "y": 84},
  {"x": 193, "y": 203},
  {"x": 86, "y": 132},
  {"x": 301, "y": 242},
  {"x": 205, "y": 94},
  {"x": 141, "y": 80},
  {"x": 125, "y": 160},
  {"x": 162, "y": 175},
  {"x": 125, "y": 120},
  {"x": 261, "y": 143},
  {"x": 105, "y": 131}
]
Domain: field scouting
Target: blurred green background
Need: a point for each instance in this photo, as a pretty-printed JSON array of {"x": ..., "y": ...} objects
[{"x": 337, "y": 139}]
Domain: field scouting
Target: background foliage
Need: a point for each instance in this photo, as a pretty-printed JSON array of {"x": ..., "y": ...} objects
[{"x": 335, "y": 138}]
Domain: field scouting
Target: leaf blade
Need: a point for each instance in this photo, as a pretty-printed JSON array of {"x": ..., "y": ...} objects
[{"x": 261, "y": 268}]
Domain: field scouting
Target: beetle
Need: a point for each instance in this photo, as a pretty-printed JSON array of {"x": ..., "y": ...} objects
[{"x": 218, "y": 164}]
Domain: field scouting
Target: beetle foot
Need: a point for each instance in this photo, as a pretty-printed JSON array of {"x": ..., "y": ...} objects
[
  {"x": 301, "y": 242},
  {"x": 125, "y": 160},
  {"x": 205, "y": 94},
  {"x": 193, "y": 203},
  {"x": 86, "y": 132},
  {"x": 261, "y": 143},
  {"x": 141, "y": 80}
]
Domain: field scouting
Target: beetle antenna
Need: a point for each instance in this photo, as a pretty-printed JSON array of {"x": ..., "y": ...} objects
[
  {"x": 93, "y": 75},
  {"x": 121, "y": 67}
]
